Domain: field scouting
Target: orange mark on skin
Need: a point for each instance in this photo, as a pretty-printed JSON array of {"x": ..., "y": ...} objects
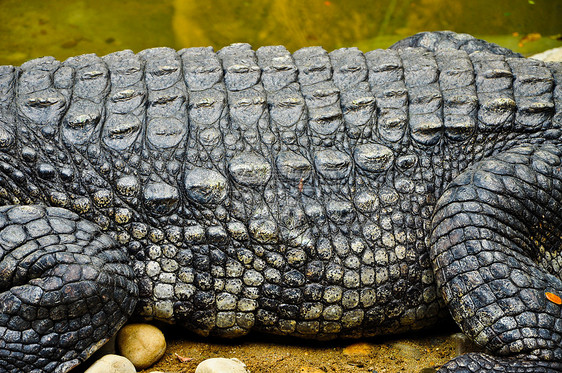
[{"x": 553, "y": 298}]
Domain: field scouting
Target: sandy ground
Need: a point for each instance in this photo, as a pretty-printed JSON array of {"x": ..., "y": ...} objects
[
  {"x": 420, "y": 352},
  {"x": 408, "y": 353}
]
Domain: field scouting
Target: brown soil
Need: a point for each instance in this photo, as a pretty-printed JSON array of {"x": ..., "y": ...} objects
[{"x": 410, "y": 353}]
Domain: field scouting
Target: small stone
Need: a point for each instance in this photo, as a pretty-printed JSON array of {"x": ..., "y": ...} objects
[
  {"x": 221, "y": 365},
  {"x": 142, "y": 344},
  {"x": 112, "y": 364}
]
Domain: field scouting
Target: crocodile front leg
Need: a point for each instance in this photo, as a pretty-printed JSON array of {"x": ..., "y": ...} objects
[
  {"x": 496, "y": 252},
  {"x": 65, "y": 288}
]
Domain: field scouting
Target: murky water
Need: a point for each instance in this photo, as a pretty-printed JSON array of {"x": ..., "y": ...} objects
[{"x": 62, "y": 28}]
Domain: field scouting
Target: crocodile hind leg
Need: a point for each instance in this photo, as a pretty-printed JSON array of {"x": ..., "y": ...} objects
[
  {"x": 65, "y": 288},
  {"x": 496, "y": 251}
]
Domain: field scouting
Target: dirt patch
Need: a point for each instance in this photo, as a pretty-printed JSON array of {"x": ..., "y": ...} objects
[{"x": 262, "y": 353}]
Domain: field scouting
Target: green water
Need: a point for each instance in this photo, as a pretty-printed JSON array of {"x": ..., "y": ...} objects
[{"x": 62, "y": 28}]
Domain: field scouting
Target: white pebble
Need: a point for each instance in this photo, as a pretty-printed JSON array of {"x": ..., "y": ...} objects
[
  {"x": 112, "y": 364},
  {"x": 221, "y": 365}
]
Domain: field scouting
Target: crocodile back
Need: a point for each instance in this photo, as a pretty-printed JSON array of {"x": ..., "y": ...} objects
[{"x": 288, "y": 193}]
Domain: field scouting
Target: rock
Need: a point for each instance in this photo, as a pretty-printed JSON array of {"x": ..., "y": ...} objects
[
  {"x": 112, "y": 364},
  {"x": 221, "y": 365},
  {"x": 142, "y": 344},
  {"x": 554, "y": 55}
]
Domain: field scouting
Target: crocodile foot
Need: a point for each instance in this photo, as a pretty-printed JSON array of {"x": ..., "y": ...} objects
[{"x": 65, "y": 288}]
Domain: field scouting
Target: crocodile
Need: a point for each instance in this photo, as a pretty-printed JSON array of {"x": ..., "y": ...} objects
[{"x": 313, "y": 194}]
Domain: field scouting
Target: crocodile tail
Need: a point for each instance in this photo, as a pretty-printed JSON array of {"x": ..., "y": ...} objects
[{"x": 438, "y": 40}]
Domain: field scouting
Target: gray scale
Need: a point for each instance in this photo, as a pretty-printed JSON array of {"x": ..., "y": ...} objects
[
  {"x": 493, "y": 76},
  {"x": 556, "y": 95},
  {"x": 535, "y": 81},
  {"x": 240, "y": 67},
  {"x": 357, "y": 101},
  {"x": 201, "y": 68},
  {"x": 287, "y": 111},
  {"x": 207, "y": 107},
  {"x": 330, "y": 152},
  {"x": 118, "y": 130},
  {"x": 349, "y": 67},
  {"x": 166, "y": 114},
  {"x": 386, "y": 77},
  {"x": 37, "y": 100},
  {"x": 125, "y": 106},
  {"x": 460, "y": 103},
  {"x": 425, "y": 99},
  {"x": 125, "y": 110},
  {"x": 7, "y": 92},
  {"x": 313, "y": 64},
  {"x": 277, "y": 66},
  {"x": 128, "y": 89},
  {"x": 124, "y": 127},
  {"x": 7, "y": 84},
  {"x": 92, "y": 77},
  {"x": 320, "y": 94}
]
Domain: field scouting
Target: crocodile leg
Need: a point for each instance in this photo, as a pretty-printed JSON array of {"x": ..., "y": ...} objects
[
  {"x": 496, "y": 251},
  {"x": 65, "y": 288}
]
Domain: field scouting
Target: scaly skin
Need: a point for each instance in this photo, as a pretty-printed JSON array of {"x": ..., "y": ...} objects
[{"x": 316, "y": 195}]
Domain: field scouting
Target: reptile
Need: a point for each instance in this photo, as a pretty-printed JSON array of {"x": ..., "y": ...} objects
[{"x": 313, "y": 194}]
